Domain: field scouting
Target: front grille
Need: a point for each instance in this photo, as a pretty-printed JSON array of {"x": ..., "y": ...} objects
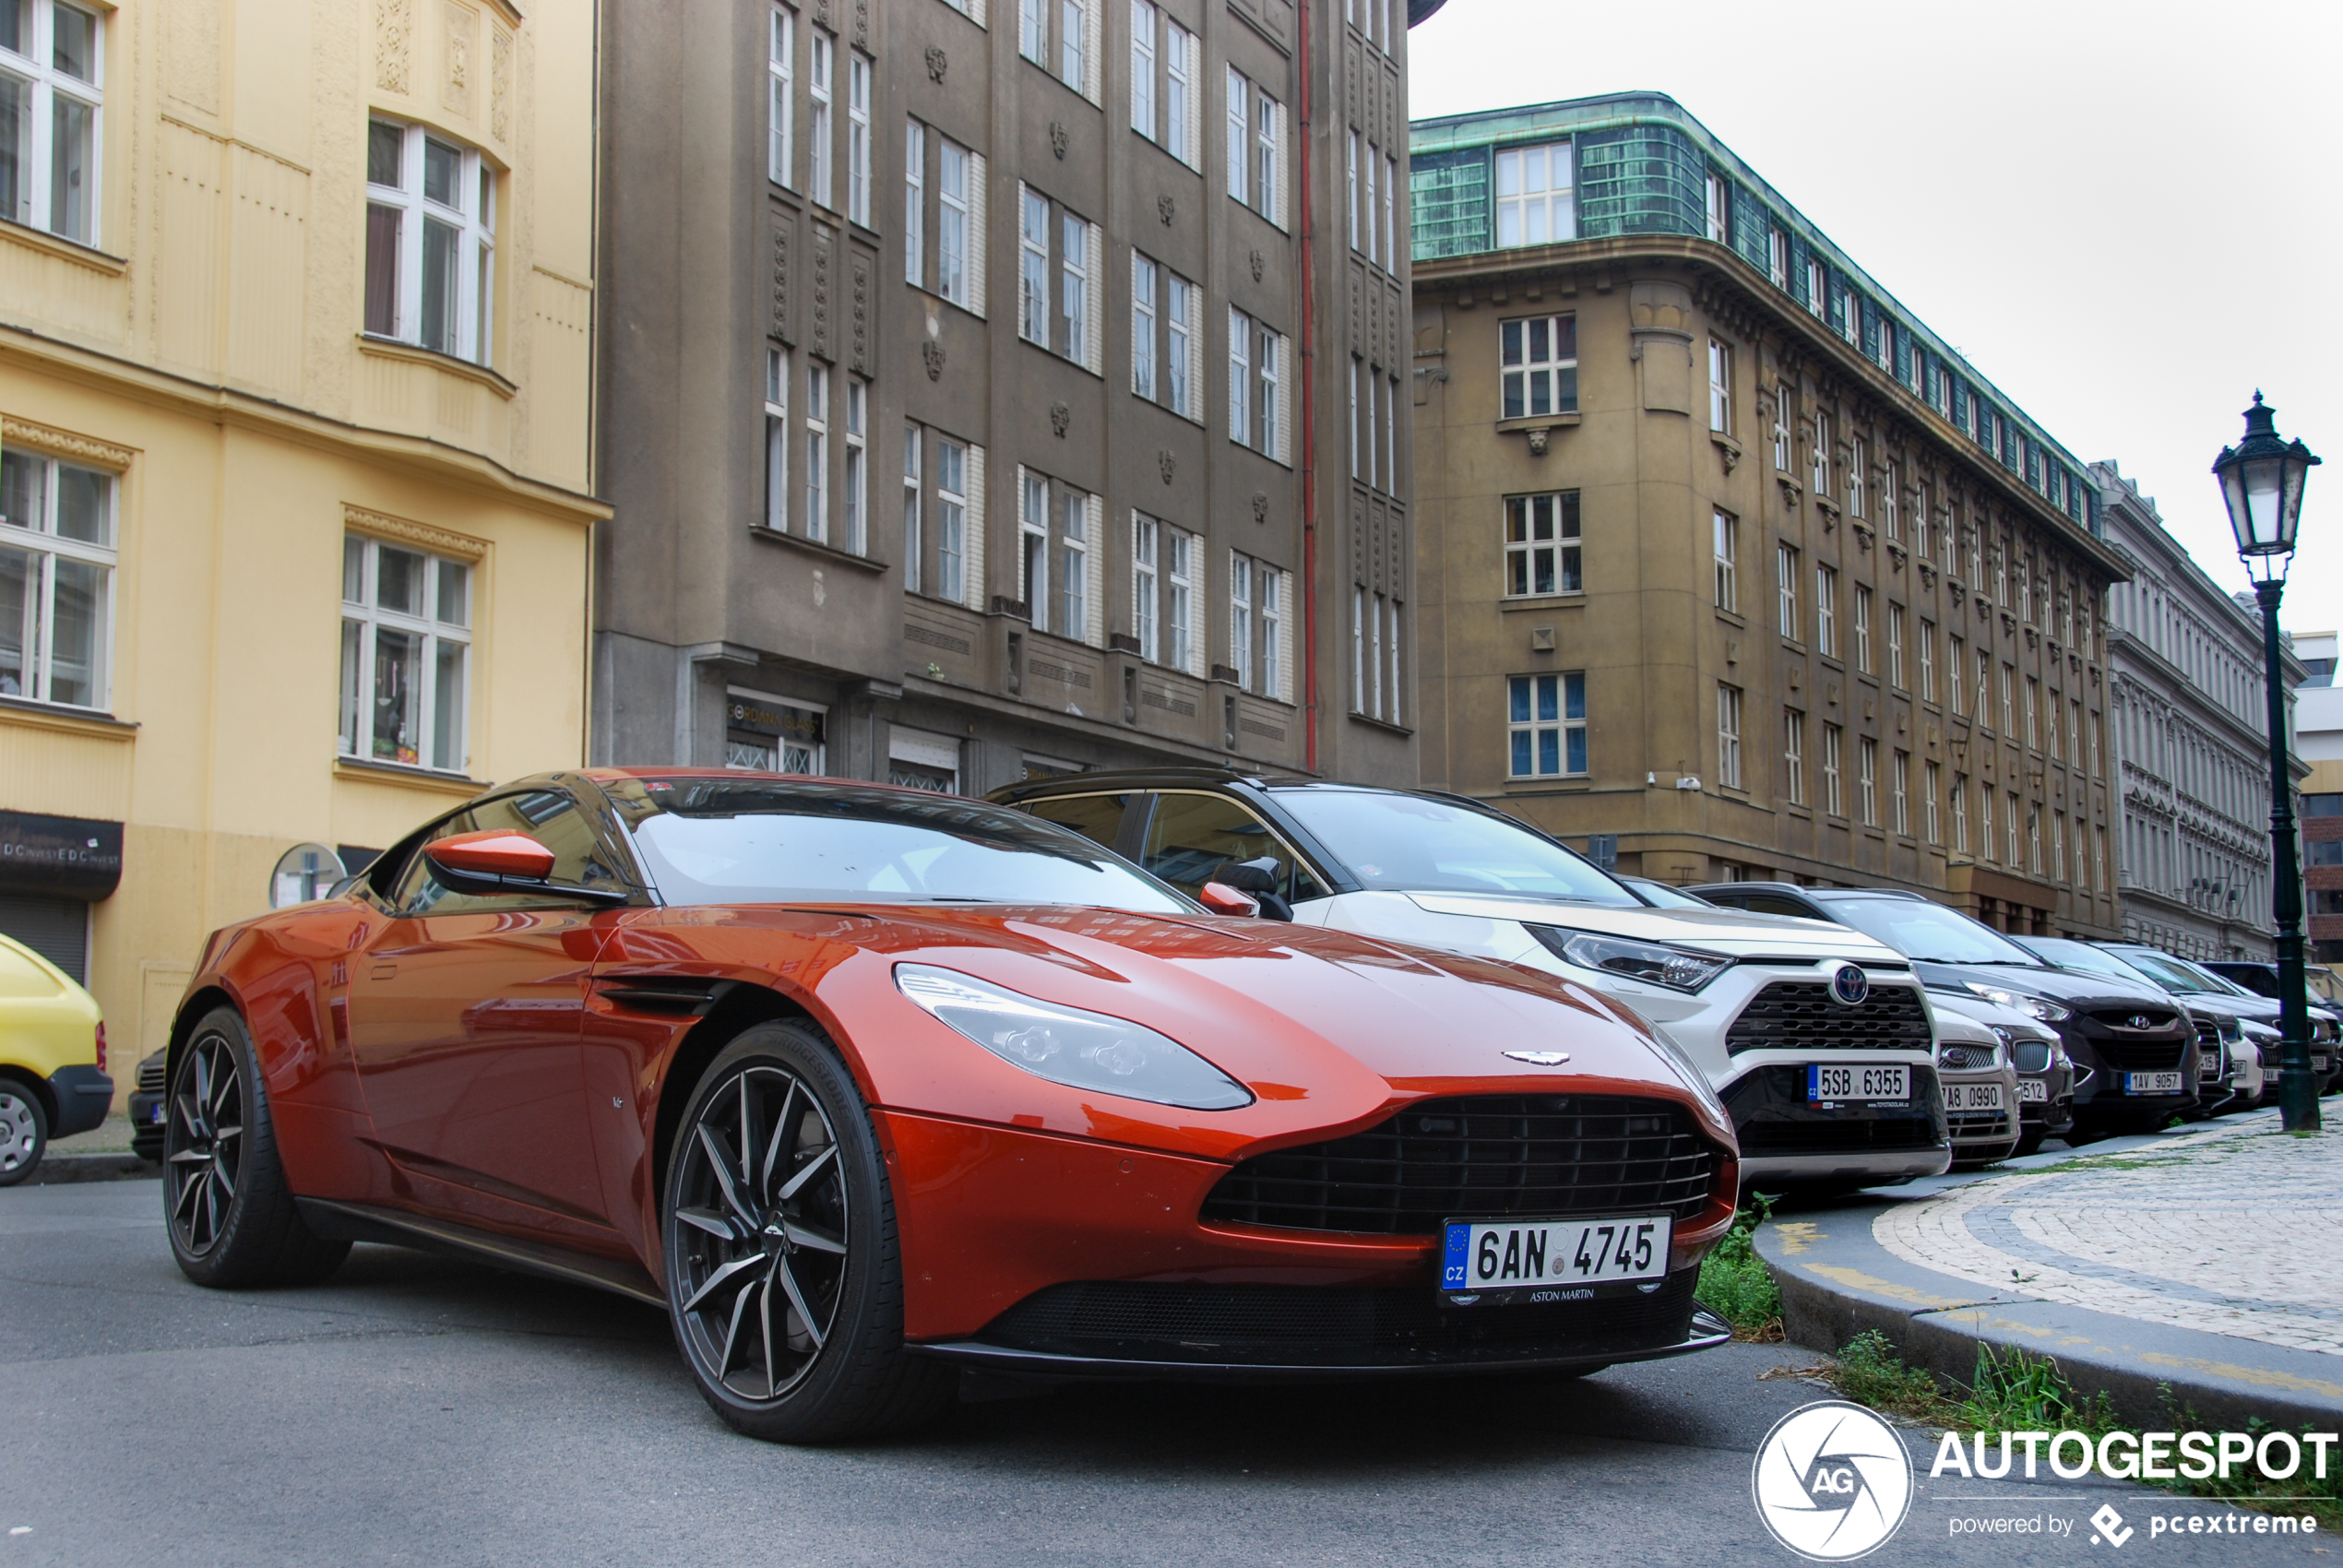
[
  {"x": 1974, "y": 1124},
  {"x": 2133, "y": 1020},
  {"x": 1804, "y": 1016},
  {"x": 150, "y": 1073},
  {"x": 2142, "y": 1057},
  {"x": 1331, "y": 1325},
  {"x": 2209, "y": 1035},
  {"x": 1852, "y": 1136},
  {"x": 1480, "y": 1156},
  {"x": 1965, "y": 1058},
  {"x": 2032, "y": 1056}
]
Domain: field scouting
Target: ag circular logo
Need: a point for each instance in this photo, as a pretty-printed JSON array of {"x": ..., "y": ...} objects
[
  {"x": 1849, "y": 984},
  {"x": 1832, "y": 1482}
]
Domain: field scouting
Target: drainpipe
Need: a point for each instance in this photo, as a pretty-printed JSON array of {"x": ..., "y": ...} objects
[{"x": 1309, "y": 415}]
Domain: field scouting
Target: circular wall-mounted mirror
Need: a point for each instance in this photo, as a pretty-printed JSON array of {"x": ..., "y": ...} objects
[{"x": 306, "y": 872}]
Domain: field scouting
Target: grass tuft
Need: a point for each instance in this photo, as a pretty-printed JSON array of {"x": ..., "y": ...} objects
[{"x": 1736, "y": 1285}]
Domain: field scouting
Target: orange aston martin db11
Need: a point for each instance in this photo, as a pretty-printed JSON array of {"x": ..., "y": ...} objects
[{"x": 865, "y": 1086}]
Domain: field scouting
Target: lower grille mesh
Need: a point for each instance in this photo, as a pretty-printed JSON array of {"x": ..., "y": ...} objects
[{"x": 1484, "y": 1156}]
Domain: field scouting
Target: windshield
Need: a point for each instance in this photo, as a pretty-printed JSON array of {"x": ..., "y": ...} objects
[
  {"x": 1396, "y": 843},
  {"x": 2068, "y": 954},
  {"x": 1663, "y": 896},
  {"x": 1931, "y": 932},
  {"x": 2174, "y": 975},
  {"x": 762, "y": 841}
]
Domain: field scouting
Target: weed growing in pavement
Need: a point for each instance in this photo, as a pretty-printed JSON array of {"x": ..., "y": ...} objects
[
  {"x": 2021, "y": 1392},
  {"x": 1735, "y": 1282}
]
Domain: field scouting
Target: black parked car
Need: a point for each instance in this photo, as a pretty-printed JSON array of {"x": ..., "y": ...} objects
[
  {"x": 147, "y": 1112},
  {"x": 2220, "y": 1028},
  {"x": 2196, "y": 984},
  {"x": 2135, "y": 1049}
]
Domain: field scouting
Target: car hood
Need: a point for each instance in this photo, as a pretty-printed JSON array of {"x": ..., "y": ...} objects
[
  {"x": 1733, "y": 931},
  {"x": 2073, "y": 987},
  {"x": 1330, "y": 1031}
]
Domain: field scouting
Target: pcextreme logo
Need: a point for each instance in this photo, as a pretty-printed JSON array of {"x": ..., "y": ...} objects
[{"x": 1832, "y": 1482}]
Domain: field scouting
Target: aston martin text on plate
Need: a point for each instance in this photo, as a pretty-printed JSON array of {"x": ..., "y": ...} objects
[{"x": 1548, "y": 1260}]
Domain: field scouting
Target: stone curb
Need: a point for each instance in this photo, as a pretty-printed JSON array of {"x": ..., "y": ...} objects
[
  {"x": 57, "y": 1169},
  {"x": 1837, "y": 1282}
]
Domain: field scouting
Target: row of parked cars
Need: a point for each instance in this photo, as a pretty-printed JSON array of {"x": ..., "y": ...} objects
[{"x": 1857, "y": 1036}]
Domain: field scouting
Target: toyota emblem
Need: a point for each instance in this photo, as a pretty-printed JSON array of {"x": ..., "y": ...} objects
[{"x": 1849, "y": 985}]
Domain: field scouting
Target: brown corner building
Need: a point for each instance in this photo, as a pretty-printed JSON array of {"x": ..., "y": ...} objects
[
  {"x": 1723, "y": 553},
  {"x": 977, "y": 383}
]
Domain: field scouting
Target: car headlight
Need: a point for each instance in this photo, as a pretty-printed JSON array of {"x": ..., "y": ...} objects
[
  {"x": 2229, "y": 1028},
  {"x": 1066, "y": 1045},
  {"x": 1678, "y": 968},
  {"x": 2039, "y": 1008}
]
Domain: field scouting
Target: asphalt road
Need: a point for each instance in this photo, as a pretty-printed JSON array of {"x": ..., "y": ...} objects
[{"x": 417, "y": 1410}]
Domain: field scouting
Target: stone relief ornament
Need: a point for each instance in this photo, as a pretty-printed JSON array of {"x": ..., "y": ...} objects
[
  {"x": 936, "y": 60},
  {"x": 1058, "y": 139},
  {"x": 1060, "y": 418},
  {"x": 933, "y": 353},
  {"x": 1259, "y": 261},
  {"x": 1164, "y": 210},
  {"x": 1165, "y": 461},
  {"x": 1260, "y": 505}
]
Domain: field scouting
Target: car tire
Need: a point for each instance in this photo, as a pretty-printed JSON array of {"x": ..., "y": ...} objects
[
  {"x": 24, "y": 1132},
  {"x": 226, "y": 1208},
  {"x": 784, "y": 1272}
]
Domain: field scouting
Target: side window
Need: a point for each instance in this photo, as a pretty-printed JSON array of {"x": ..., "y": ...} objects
[
  {"x": 550, "y": 816},
  {"x": 1190, "y": 835},
  {"x": 1763, "y": 905},
  {"x": 1096, "y": 817}
]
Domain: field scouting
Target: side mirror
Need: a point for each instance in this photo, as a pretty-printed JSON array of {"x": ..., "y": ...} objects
[
  {"x": 1223, "y": 899},
  {"x": 1258, "y": 878},
  {"x": 499, "y": 860}
]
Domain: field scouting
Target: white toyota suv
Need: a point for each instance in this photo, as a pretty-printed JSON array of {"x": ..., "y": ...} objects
[{"x": 1818, "y": 1040}]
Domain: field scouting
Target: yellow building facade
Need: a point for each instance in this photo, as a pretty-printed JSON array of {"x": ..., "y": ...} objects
[{"x": 295, "y": 537}]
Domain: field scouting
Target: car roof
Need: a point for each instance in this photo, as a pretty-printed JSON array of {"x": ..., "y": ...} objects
[{"x": 1801, "y": 891}]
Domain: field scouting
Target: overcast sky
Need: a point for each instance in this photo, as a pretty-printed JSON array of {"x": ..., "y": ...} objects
[{"x": 2124, "y": 214}]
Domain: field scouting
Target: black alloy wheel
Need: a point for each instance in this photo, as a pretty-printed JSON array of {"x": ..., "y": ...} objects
[
  {"x": 784, "y": 1277},
  {"x": 230, "y": 1214}
]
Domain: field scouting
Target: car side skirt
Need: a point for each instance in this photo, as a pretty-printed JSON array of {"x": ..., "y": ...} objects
[{"x": 391, "y": 1227}]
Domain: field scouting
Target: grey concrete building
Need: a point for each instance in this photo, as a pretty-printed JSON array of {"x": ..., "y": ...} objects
[
  {"x": 2187, "y": 707},
  {"x": 993, "y": 390}
]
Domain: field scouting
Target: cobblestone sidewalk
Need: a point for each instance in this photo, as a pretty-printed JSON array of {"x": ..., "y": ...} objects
[{"x": 2237, "y": 1230}]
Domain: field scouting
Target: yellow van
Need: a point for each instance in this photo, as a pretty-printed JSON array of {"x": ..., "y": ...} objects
[{"x": 52, "y": 1059}]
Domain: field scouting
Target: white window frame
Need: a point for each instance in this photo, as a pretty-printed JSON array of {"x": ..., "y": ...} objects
[
  {"x": 1033, "y": 545},
  {"x": 780, "y": 104},
  {"x": 42, "y": 547},
  {"x": 1268, "y": 139},
  {"x": 817, "y": 451},
  {"x": 1524, "y": 375},
  {"x": 1241, "y": 629},
  {"x": 1143, "y": 25},
  {"x": 855, "y": 486},
  {"x": 1785, "y": 416},
  {"x": 1563, "y": 686},
  {"x": 776, "y": 438},
  {"x": 914, "y": 531},
  {"x": 858, "y": 137},
  {"x": 1932, "y": 782},
  {"x": 818, "y": 86},
  {"x": 1240, "y": 329},
  {"x": 1546, "y": 216},
  {"x": 956, "y": 212},
  {"x": 1180, "y": 585},
  {"x": 1239, "y": 172},
  {"x": 1867, "y": 779},
  {"x": 1785, "y": 589},
  {"x": 1390, "y": 213},
  {"x": 1146, "y": 535},
  {"x": 1895, "y": 644},
  {"x": 1073, "y": 285},
  {"x": 1184, "y": 336},
  {"x": 366, "y": 618},
  {"x": 1863, "y": 628},
  {"x": 1033, "y": 31},
  {"x": 1827, "y": 609},
  {"x": 1145, "y": 275},
  {"x": 1374, "y": 247},
  {"x": 1720, "y": 387},
  {"x": 1899, "y": 784},
  {"x": 1729, "y": 773},
  {"x": 915, "y": 204},
  {"x": 951, "y": 564},
  {"x": 1718, "y": 204},
  {"x": 1073, "y": 607},
  {"x": 1725, "y": 545},
  {"x": 1033, "y": 265},
  {"x": 475, "y": 244},
  {"x": 1183, "y": 95},
  {"x": 1834, "y": 784},
  {"x": 1793, "y": 755},
  {"x": 45, "y": 82},
  {"x": 1822, "y": 454}
]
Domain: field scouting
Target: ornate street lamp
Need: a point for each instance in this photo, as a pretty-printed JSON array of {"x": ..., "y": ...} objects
[{"x": 2261, "y": 486}]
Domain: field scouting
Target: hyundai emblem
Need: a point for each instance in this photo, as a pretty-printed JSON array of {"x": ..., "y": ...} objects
[
  {"x": 1849, "y": 985},
  {"x": 2139, "y": 1021}
]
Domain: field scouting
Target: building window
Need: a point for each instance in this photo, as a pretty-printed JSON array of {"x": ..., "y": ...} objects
[
  {"x": 1896, "y": 646},
  {"x": 1726, "y": 545},
  {"x": 1054, "y": 535},
  {"x": 2009, "y": 673},
  {"x": 1816, "y": 287},
  {"x": 915, "y": 204},
  {"x": 776, "y": 370},
  {"x": 780, "y": 104},
  {"x": 2098, "y": 860},
  {"x": 1785, "y": 413},
  {"x": 1256, "y": 625},
  {"x": 819, "y": 148},
  {"x": 1720, "y": 197},
  {"x": 2058, "y": 845},
  {"x": 1720, "y": 387},
  {"x": 765, "y": 735},
  {"x": 1256, "y": 138},
  {"x": 1960, "y": 815},
  {"x": 858, "y": 139},
  {"x": 1547, "y": 725},
  {"x": 406, "y": 646},
  {"x": 1931, "y": 778},
  {"x": 50, "y": 98},
  {"x": 1375, "y": 655},
  {"x": 1542, "y": 545},
  {"x": 1927, "y": 660},
  {"x": 1538, "y": 366},
  {"x": 2033, "y": 836},
  {"x": 1794, "y": 756},
  {"x": 1826, "y": 612},
  {"x": 431, "y": 241},
  {"x": 1146, "y": 584},
  {"x": 1778, "y": 259},
  {"x": 1834, "y": 799},
  {"x": 2010, "y": 821},
  {"x": 1143, "y": 26},
  {"x": 1923, "y": 510},
  {"x": 1069, "y": 331},
  {"x": 1891, "y": 522},
  {"x": 1729, "y": 736},
  {"x": 951, "y": 519},
  {"x": 1862, "y": 629},
  {"x": 1534, "y": 200},
  {"x": 1257, "y": 387},
  {"x": 57, "y": 581},
  {"x": 1955, "y": 656},
  {"x": 959, "y": 230},
  {"x": 2074, "y": 732},
  {"x": 1857, "y": 472},
  {"x": 2033, "y": 699},
  {"x": 1822, "y": 455},
  {"x": 1867, "y": 778},
  {"x": 817, "y": 452},
  {"x": 856, "y": 484},
  {"x": 1785, "y": 589},
  {"x": 914, "y": 544}
]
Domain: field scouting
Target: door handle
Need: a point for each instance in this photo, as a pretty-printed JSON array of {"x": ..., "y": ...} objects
[{"x": 384, "y": 971}]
